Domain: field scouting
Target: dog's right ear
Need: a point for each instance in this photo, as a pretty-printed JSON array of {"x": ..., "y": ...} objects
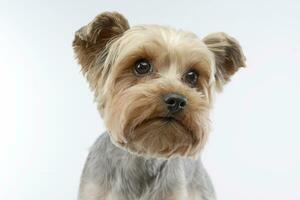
[
  {"x": 91, "y": 40},
  {"x": 229, "y": 56}
]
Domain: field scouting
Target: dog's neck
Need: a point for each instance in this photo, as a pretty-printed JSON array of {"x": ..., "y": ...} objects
[
  {"x": 134, "y": 174},
  {"x": 128, "y": 161}
]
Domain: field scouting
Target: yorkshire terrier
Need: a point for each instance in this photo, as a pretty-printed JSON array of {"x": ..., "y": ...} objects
[{"x": 154, "y": 87}]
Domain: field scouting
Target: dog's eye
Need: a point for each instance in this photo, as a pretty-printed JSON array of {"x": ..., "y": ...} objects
[
  {"x": 191, "y": 77},
  {"x": 142, "y": 67}
]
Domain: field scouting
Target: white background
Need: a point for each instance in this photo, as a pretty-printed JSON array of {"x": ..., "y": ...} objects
[{"x": 48, "y": 119}]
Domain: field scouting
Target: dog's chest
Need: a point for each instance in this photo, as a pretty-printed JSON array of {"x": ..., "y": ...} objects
[
  {"x": 178, "y": 195},
  {"x": 118, "y": 175},
  {"x": 164, "y": 184}
]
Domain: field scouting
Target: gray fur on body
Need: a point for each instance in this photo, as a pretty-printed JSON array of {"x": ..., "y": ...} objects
[{"x": 120, "y": 175}]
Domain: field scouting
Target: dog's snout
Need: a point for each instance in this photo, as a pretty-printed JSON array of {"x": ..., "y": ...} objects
[{"x": 175, "y": 102}]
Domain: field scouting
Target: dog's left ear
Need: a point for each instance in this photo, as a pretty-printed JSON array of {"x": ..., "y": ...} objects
[
  {"x": 91, "y": 40},
  {"x": 229, "y": 56}
]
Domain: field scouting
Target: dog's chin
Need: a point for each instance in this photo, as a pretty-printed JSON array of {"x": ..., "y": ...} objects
[{"x": 161, "y": 137}]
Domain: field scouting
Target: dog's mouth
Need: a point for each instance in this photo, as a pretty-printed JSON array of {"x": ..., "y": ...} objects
[
  {"x": 166, "y": 120},
  {"x": 162, "y": 135}
]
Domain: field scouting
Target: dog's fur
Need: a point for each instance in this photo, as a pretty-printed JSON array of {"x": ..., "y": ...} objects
[{"x": 142, "y": 156}]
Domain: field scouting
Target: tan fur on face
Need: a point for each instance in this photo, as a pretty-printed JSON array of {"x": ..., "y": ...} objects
[
  {"x": 132, "y": 106},
  {"x": 133, "y": 118},
  {"x": 170, "y": 51}
]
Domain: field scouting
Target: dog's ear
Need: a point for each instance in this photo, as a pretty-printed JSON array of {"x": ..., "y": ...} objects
[
  {"x": 228, "y": 54},
  {"x": 91, "y": 40}
]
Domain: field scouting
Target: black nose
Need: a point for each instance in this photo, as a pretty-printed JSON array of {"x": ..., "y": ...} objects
[{"x": 175, "y": 102}]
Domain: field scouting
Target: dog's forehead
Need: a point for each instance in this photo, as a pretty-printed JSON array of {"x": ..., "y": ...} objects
[
  {"x": 165, "y": 45},
  {"x": 160, "y": 42},
  {"x": 162, "y": 35}
]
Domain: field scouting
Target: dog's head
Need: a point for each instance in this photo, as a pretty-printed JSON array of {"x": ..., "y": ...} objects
[{"x": 154, "y": 85}]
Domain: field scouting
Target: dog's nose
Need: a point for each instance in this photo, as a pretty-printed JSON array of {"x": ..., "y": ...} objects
[{"x": 175, "y": 102}]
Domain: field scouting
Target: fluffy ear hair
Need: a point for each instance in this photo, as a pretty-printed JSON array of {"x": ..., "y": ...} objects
[
  {"x": 229, "y": 56},
  {"x": 91, "y": 40}
]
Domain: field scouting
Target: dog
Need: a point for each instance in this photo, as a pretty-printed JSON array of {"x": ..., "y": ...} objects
[{"x": 154, "y": 87}]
